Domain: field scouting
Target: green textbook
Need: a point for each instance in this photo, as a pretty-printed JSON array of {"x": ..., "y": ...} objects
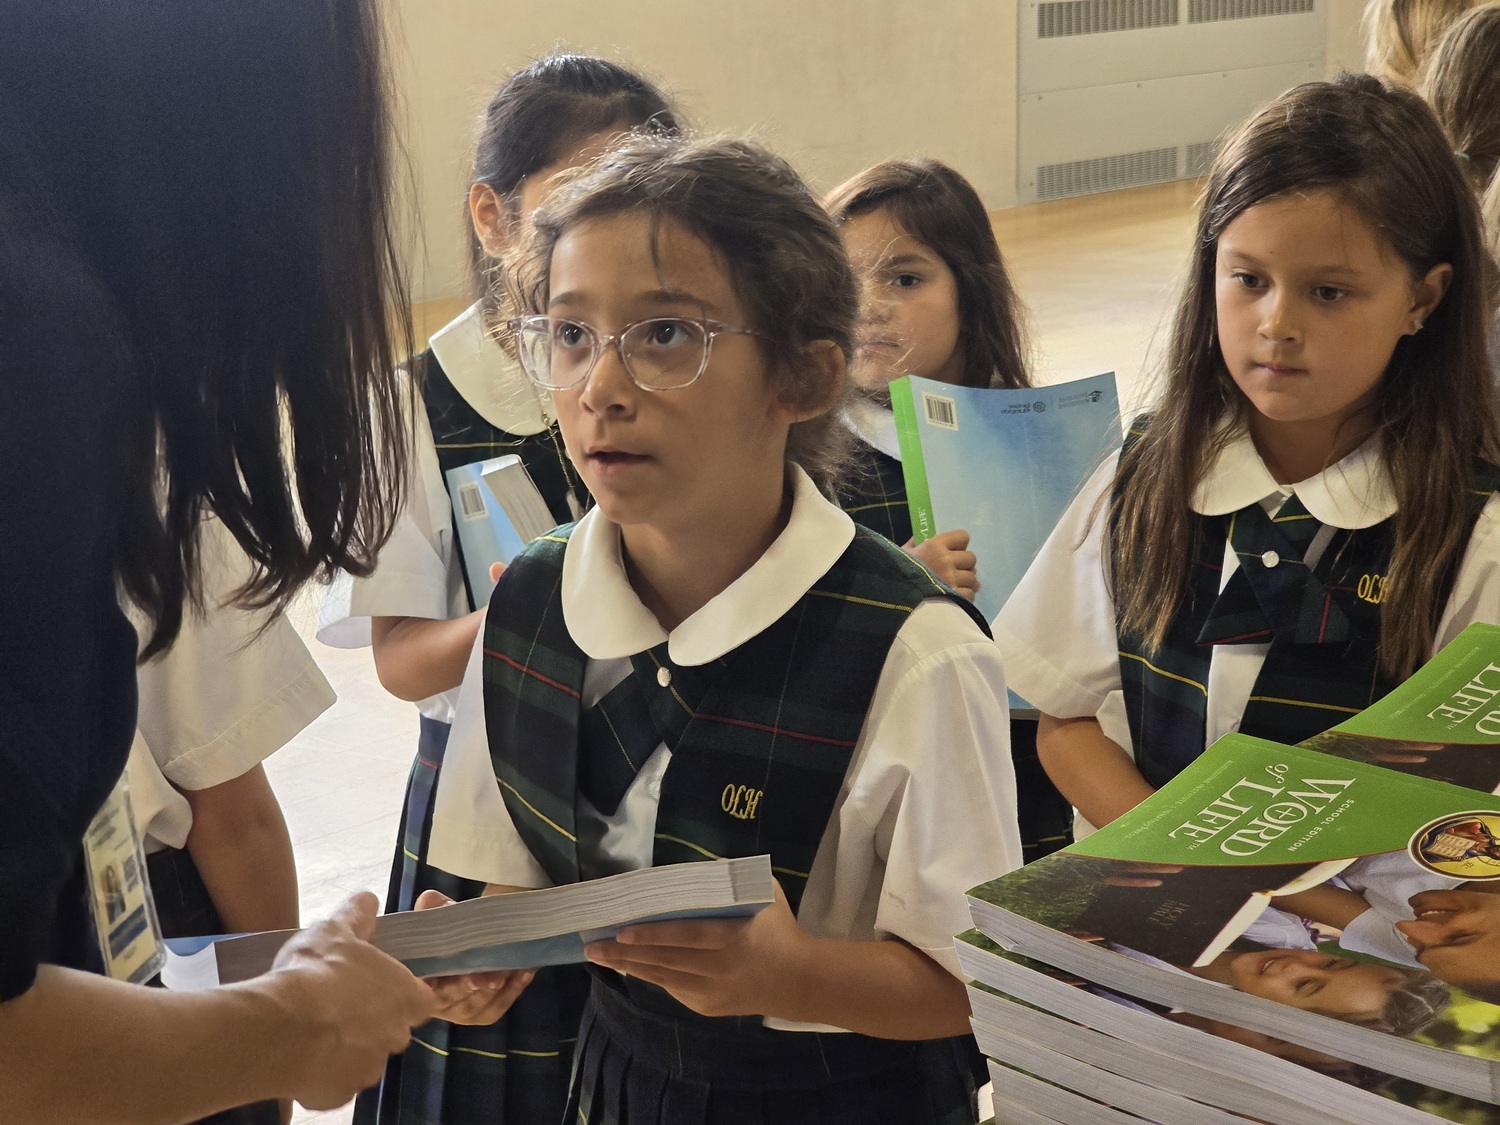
[{"x": 1326, "y": 894}]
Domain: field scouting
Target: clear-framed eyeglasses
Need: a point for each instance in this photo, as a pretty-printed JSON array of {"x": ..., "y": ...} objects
[{"x": 664, "y": 353}]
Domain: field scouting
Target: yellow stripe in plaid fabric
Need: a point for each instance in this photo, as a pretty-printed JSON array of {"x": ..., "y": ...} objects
[
  {"x": 1304, "y": 703},
  {"x": 1162, "y": 672},
  {"x": 536, "y": 812},
  {"x": 860, "y": 601}
]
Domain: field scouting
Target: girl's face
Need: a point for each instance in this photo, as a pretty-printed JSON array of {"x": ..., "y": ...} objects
[
  {"x": 495, "y": 219},
  {"x": 676, "y": 461},
  {"x": 1352, "y": 991},
  {"x": 908, "y": 305},
  {"x": 1311, "y": 302}
]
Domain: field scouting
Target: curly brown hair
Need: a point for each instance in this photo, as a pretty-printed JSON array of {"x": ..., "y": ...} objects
[{"x": 781, "y": 250}]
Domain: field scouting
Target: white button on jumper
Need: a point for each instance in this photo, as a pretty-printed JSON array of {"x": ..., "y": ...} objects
[
  {"x": 664, "y": 676},
  {"x": 1270, "y": 558}
]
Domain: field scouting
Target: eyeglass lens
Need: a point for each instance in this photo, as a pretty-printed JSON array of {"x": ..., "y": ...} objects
[{"x": 660, "y": 353}]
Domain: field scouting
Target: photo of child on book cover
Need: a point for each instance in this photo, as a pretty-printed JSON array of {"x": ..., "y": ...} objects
[{"x": 1386, "y": 944}]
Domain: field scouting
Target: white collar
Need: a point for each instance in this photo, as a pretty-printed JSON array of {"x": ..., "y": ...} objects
[
  {"x": 488, "y": 377},
  {"x": 874, "y": 425},
  {"x": 607, "y": 620},
  {"x": 1352, "y": 494}
]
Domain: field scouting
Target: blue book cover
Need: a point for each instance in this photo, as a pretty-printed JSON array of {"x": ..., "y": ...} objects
[
  {"x": 497, "y": 510},
  {"x": 1001, "y": 464}
]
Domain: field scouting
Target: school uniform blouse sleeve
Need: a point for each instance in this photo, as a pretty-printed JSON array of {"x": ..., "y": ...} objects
[
  {"x": 1057, "y": 631},
  {"x": 230, "y": 692},
  {"x": 929, "y": 804},
  {"x": 416, "y": 574}
]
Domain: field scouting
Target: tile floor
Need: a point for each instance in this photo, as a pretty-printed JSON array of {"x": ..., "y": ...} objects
[{"x": 1097, "y": 274}]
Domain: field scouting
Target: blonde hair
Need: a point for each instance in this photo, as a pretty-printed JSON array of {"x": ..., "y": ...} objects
[
  {"x": 1399, "y": 34},
  {"x": 1462, "y": 84}
]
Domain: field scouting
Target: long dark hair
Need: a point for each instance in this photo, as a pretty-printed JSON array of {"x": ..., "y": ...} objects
[
  {"x": 541, "y": 112},
  {"x": 1381, "y": 150},
  {"x": 780, "y": 249},
  {"x": 222, "y": 170},
  {"x": 940, "y": 209}
]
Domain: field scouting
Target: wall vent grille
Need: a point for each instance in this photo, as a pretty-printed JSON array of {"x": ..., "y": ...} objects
[
  {"x": 1105, "y": 173},
  {"x": 1058, "y": 18},
  {"x": 1200, "y": 158},
  {"x": 1212, "y": 11}
]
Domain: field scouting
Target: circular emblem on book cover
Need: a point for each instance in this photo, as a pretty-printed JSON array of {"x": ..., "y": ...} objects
[{"x": 1463, "y": 845}]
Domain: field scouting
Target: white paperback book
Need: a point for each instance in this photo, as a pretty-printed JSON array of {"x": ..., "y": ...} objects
[{"x": 523, "y": 930}]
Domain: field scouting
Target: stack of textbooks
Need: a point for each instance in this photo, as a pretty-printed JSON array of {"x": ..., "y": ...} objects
[{"x": 1302, "y": 935}]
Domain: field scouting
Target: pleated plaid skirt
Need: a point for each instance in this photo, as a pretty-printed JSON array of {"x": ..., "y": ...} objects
[
  {"x": 640, "y": 1066},
  {"x": 514, "y": 1072}
]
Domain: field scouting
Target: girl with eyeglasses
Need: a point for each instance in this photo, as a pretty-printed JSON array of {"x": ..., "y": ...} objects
[
  {"x": 717, "y": 662},
  {"x": 417, "y": 610}
]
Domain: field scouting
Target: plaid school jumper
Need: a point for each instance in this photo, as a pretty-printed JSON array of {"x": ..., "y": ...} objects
[
  {"x": 517, "y": 1070},
  {"x": 761, "y": 741},
  {"x": 1322, "y": 623},
  {"x": 873, "y": 494}
]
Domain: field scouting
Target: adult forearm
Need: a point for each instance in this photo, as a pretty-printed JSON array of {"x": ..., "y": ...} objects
[
  {"x": 79, "y": 1049},
  {"x": 885, "y": 989},
  {"x": 418, "y": 657},
  {"x": 1092, "y": 771}
]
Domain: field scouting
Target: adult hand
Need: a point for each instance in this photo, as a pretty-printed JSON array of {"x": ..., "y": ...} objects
[
  {"x": 473, "y": 998},
  {"x": 719, "y": 967},
  {"x": 349, "y": 1004},
  {"x": 947, "y": 555}
]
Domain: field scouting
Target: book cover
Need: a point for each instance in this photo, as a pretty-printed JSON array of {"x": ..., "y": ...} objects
[
  {"x": 1260, "y": 1076},
  {"x": 497, "y": 510},
  {"x": 1328, "y": 891},
  {"x": 1001, "y": 464}
]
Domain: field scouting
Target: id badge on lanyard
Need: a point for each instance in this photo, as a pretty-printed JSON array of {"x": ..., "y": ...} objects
[{"x": 120, "y": 892}]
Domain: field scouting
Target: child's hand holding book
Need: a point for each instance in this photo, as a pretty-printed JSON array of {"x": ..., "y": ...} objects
[{"x": 473, "y": 998}]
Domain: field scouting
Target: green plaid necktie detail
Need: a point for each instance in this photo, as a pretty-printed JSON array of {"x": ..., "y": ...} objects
[
  {"x": 620, "y": 732},
  {"x": 1275, "y": 595}
]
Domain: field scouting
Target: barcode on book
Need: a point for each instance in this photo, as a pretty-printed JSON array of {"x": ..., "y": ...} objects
[
  {"x": 471, "y": 504},
  {"x": 940, "y": 411}
]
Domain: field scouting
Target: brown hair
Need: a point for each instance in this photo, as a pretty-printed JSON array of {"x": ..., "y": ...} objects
[
  {"x": 1400, "y": 34},
  {"x": 1415, "y": 1003},
  {"x": 1381, "y": 150},
  {"x": 779, "y": 247},
  {"x": 1462, "y": 84},
  {"x": 1490, "y": 209},
  {"x": 254, "y": 319},
  {"x": 541, "y": 112},
  {"x": 940, "y": 209}
]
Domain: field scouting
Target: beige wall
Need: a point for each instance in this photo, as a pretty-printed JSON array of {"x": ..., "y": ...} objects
[
  {"x": 832, "y": 86},
  {"x": 1346, "y": 46}
]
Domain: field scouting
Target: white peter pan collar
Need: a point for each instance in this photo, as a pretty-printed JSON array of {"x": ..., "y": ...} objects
[
  {"x": 488, "y": 377},
  {"x": 607, "y": 620},
  {"x": 874, "y": 425},
  {"x": 1354, "y": 493}
]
